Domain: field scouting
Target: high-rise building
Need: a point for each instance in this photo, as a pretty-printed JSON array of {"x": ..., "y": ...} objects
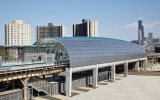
[
  {"x": 50, "y": 31},
  {"x": 140, "y": 27},
  {"x": 17, "y": 33},
  {"x": 140, "y": 37},
  {"x": 150, "y": 36},
  {"x": 86, "y": 29}
]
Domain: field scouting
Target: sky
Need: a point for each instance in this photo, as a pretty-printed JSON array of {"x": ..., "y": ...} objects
[{"x": 116, "y": 18}]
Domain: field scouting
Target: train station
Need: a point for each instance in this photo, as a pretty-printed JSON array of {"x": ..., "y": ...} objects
[{"x": 57, "y": 65}]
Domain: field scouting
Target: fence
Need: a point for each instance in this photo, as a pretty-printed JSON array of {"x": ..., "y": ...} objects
[
  {"x": 15, "y": 94},
  {"x": 40, "y": 85},
  {"x": 59, "y": 87}
]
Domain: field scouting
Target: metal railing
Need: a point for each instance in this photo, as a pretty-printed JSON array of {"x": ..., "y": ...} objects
[
  {"x": 41, "y": 85},
  {"x": 34, "y": 67}
]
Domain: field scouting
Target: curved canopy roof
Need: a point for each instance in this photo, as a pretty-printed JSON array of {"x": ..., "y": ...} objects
[{"x": 83, "y": 51}]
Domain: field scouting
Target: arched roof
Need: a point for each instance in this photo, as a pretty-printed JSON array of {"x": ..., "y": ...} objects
[{"x": 85, "y": 51}]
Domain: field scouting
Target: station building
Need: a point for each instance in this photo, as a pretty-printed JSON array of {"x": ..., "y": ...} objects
[{"x": 78, "y": 56}]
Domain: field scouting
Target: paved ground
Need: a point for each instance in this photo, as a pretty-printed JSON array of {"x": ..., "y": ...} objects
[{"x": 142, "y": 85}]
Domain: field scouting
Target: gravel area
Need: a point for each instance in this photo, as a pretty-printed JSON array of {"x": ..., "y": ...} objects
[{"x": 133, "y": 87}]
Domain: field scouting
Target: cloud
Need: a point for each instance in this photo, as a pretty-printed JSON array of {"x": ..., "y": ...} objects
[
  {"x": 152, "y": 25},
  {"x": 130, "y": 26},
  {"x": 133, "y": 26}
]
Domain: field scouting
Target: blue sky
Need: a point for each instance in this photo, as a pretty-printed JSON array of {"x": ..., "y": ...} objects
[{"x": 116, "y": 18}]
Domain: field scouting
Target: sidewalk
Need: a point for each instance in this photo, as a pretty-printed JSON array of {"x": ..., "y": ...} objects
[{"x": 133, "y": 87}]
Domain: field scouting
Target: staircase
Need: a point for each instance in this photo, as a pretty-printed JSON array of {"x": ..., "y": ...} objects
[{"x": 40, "y": 85}]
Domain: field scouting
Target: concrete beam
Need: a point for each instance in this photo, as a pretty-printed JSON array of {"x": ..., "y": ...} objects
[
  {"x": 126, "y": 69},
  {"x": 113, "y": 73},
  {"x": 91, "y": 67},
  {"x": 68, "y": 81},
  {"x": 95, "y": 76}
]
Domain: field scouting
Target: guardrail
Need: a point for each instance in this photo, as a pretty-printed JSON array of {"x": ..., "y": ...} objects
[{"x": 28, "y": 68}]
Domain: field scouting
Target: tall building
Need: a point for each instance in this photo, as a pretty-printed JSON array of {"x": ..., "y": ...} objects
[
  {"x": 140, "y": 27},
  {"x": 150, "y": 36},
  {"x": 17, "y": 33},
  {"x": 86, "y": 29},
  {"x": 140, "y": 37},
  {"x": 50, "y": 31}
]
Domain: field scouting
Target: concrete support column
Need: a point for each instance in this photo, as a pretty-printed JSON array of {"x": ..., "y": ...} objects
[
  {"x": 5, "y": 84},
  {"x": 43, "y": 76},
  {"x": 25, "y": 93},
  {"x": 126, "y": 69},
  {"x": 145, "y": 64},
  {"x": 113, "y": 73},
  {"x": 95, "y": 76},
  {"x": 133, "y": 66},
  {"x": 13, "y": 85},
  {"x": 24, "y": 81},
  {"x": 152, "y": 62},
  {"x": 68, "y": 81},
  {"x": 54, "y": 77},
  {"x": 141, "y": 64},
  {"x": 137, "y": 66}
]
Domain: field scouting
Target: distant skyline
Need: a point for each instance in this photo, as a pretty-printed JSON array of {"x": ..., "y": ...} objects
[{"x": 116, "y": 19}]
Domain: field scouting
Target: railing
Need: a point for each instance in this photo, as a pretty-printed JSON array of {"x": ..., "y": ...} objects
[
  {"x": 41, "y": 86},
  {"x": 27, "y": 68}
]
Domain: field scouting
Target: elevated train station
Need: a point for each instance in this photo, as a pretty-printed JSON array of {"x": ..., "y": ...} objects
[{"x": 77, "y": 61}]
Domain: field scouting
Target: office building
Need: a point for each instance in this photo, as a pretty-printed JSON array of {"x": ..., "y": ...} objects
[
  {"x": 140, "y": 37},
  {"x": 150, "y": 36},
  {"x": 50, "y": 31},
  {"x": 86, "y": 29},
  {"x": 141, "y": 27},
  {"x": 17, "y": 33}
]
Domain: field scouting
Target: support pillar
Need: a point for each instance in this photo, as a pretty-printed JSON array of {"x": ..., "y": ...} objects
[
  {"x": 43, "y": 76},
  {"x": 141, "y": 65},
  {"x": 133, "y": 64},
  {"x": 24, "y": 82},
  {"x": 5, "y": 84},
  {"x": 113, "y": 73},
  {"x": 137, "y": 66},
  {"x": 25, "y": 93},
  {"x": 53, "y": 77},
  {"x": 145, "y": 64},
  {"x": 68, "y": 81},
  {"x": 126, "y": 69},
  {"x": 13, "y": 85},
  {"x": 152, "y": 62},
  {"x": 95, "y": 76}
]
